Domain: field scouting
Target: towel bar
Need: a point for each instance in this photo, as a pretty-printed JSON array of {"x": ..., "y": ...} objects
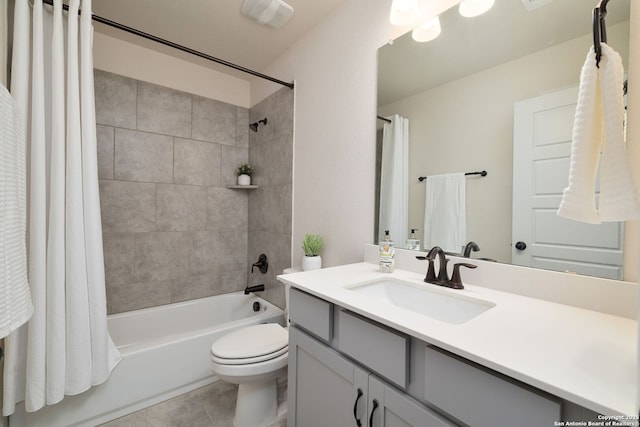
[{"x": 483, "y": 173}]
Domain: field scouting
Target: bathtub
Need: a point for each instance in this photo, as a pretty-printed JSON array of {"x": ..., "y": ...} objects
[{"x": 165, "y": 352}]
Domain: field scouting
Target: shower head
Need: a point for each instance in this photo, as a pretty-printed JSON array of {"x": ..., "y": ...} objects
[{"x": 254, "y": 126}]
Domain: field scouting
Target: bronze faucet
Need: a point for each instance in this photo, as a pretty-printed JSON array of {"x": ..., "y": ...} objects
[
  {"x": 471, "y": 246},
  {"x": 442, "y": 279}
]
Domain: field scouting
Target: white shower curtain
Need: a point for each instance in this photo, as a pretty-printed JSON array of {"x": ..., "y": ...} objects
[
  {"x": 394, "y": 180},
  {"x": 65, "y": 348}
]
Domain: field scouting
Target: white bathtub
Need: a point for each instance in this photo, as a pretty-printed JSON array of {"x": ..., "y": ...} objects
[{"x": 165, "y": 353}]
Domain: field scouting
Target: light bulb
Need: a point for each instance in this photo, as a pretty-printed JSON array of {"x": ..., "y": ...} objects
[
  {"x": 404, "y": 12},
  {"x": 471, "y": 8},
  {"x": 427, "y": 31}
]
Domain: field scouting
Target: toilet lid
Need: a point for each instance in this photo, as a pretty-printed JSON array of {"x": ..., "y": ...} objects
[{"x": 251, "y": 342}]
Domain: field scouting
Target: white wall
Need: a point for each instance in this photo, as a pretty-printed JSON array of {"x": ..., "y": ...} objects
[
  {"x": 124, "y": 58},
  {"x": 335, "y": 70}
]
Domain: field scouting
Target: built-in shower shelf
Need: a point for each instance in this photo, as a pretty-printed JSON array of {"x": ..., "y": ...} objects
[{"x": 242, "y": 187}]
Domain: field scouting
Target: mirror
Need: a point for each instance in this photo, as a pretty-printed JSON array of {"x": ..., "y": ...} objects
[{"x": 458, "y": 93}]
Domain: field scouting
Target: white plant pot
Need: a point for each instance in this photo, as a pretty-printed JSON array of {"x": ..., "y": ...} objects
[
  {"x": 244, "y": 179},
  {"x": 311, "y": 263}
]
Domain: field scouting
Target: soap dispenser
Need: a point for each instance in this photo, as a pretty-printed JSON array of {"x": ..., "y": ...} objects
[
  {"x": 412, "y": 243},
  {"x": 387, "y": 254}
]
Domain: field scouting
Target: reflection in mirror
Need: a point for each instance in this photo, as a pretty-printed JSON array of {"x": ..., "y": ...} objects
[{"x": 459, "y": 93}]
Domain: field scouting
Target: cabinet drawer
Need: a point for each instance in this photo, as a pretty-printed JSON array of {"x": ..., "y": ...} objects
[
  {"x": 383, "y": 350},
  {"x": 310, "y": 313},
  {"x": 479, "y": 397}
]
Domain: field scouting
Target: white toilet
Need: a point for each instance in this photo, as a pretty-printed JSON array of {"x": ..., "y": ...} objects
[{"x": 253, "y": 357}]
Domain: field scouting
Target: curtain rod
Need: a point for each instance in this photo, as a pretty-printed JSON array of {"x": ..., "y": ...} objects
[
  {"x": 383, "y": 119},
  {"x": 177, "y": 46}
]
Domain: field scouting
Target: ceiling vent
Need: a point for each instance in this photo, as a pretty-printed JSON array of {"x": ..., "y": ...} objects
[
  {"x": 273, "y": 13},
  {"x": 531, "y": 5}
]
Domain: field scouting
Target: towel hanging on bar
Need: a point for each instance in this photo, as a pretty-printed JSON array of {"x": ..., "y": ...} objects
[
  {"x": 445, "y": 212},
  {"x": 599, "y": 127}
]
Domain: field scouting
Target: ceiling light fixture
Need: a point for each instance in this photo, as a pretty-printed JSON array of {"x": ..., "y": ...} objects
[
  {"x": 404, "y": 12},
  {"x": 273, "y": 13},
  {"x": 471, "y": 8},
  {"x": 427, "y": 31}
]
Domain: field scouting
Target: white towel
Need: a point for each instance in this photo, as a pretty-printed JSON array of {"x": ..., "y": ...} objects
[
  {"x": 599, "y": 123},
  {"x": 445, "y": 213},
  {"x": 15, "y": 298}
]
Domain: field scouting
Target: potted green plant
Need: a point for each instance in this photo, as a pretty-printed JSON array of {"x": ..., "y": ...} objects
[
  {"x": 244, "y": 172},
  {"x": 312, "y": 245}
]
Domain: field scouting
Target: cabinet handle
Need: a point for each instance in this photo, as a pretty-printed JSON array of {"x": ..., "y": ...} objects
[
  {"x": 355, "y": 408},
  {"x": 375, "y": 406}
]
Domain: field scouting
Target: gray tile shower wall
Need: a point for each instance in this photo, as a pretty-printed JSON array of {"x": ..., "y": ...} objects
[
  {"x": 270, "y": 206},
  {"x": 172, "y": 230}
]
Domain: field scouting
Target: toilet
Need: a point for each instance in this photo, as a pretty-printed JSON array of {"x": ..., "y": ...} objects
[{"x": 253, "y": 357}]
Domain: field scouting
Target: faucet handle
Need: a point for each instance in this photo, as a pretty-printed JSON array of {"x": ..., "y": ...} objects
[
  {"x": 456, "y": 281},
  {"x": 262, "y": 264}
]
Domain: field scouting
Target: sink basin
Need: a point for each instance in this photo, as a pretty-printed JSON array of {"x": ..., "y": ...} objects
[{"x": 421, "y": 299}]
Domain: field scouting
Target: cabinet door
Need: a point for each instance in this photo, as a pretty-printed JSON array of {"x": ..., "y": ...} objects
[
  {"x": 325, "y": 389},
  {"x": 390, "y": 408}
]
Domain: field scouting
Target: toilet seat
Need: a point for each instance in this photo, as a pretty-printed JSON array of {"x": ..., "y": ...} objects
[
  {"x": 249, "y": 360},
  {"x": 252, "y": 344}
]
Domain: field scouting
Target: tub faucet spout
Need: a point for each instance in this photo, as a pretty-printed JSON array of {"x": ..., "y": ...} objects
[{"x": 255, "y": 288}]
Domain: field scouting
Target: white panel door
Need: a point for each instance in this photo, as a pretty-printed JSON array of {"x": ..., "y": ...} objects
[{"x": 541, "y": 154}]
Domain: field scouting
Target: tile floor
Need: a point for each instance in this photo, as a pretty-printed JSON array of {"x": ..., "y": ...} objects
[{"x": 209, "y": 406}]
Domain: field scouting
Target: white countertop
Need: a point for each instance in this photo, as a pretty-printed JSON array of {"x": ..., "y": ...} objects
[{"x": 583, "y": 356}]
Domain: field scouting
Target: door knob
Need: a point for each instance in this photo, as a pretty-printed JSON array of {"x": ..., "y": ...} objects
[{"x": 521, "y": 246}]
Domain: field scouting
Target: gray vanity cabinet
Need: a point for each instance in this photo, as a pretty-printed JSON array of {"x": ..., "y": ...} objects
[
  {"x": 326, "y": 389},
  {"x": 344, "y": 367}
]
